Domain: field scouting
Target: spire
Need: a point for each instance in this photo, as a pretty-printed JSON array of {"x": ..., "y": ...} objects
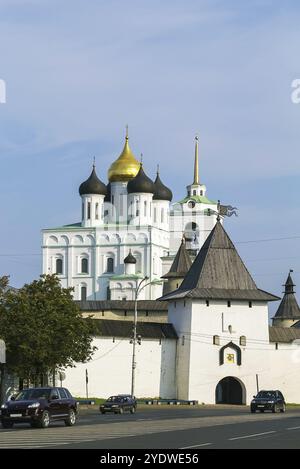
[
  {"x": 126, "y": 137},
  {"x": 196, "y": 164},
  {"x": 288, "y": 308},
  {"x": 181, "y": 264},
  {"x": 289, "y": 284}
]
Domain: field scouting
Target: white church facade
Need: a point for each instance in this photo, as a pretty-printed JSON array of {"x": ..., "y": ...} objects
[
  {"x": 131, "y": 213},
  {"x": 212, "y": 342}
]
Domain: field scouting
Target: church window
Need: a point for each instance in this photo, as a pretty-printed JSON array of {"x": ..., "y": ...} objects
[
  {"x": 97, "y": 211},
  {"x": 137, "y": 208},
  {"x": 155, "y": 214},
  {"x": 84, "y": 266},
  {"x": 145, "y": 208},
  {"x": 230, "y": 329},
  {"x": 194, "y": 192},
  {"x": 209, "y": 212},
  {"x": 162, "y": 215},
  {"x": 243, "y": 340},
  {"x": 276, "y": 346},
  {"x": 191, "y": 204},
  {"x": 207, "y": 302},
  {"x": 112, "y": 199},
  {"x": 250, "y": 304},
  {"x": 182, "y": 340},
  {"x": 89, "y": 211},
  {"x": 59, "y": 266},
  {"x": 216, "y": 340},
  {"x": 228, "y": 304},
  {"x": 201, "y": 192},
  {"x": 83, "y": 293},
  {"x": 110, "y": 264},
  {"x": 108, "y": 294}
]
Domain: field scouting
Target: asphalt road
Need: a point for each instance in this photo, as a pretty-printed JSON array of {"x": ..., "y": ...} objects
[{"x": 205, "y": 427}]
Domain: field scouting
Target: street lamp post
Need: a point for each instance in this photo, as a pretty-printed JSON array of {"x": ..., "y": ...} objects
[{"x": 135, "y": 339}]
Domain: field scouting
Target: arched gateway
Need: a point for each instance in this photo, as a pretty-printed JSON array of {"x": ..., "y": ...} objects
[{"x": 230, "y": 390}]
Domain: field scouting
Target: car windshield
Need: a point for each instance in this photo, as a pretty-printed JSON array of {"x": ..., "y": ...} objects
[
  {"x": 266, "y": 394},
  {"x": 115, "y": 399},
  {"x": 29, "y": 394}
]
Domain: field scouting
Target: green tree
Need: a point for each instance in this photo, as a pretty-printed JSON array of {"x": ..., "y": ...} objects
[{"x": 43, "y": 328}]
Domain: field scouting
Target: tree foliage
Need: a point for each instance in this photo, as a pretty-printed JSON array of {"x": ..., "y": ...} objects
[{"x": 43, "y": 328}]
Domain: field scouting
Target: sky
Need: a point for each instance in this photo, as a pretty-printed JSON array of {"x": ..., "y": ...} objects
[{"x": 77, "y": 72}]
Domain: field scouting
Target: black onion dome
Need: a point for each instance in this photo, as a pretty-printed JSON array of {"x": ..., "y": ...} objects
[
  {"x": 161, "y": 192},
  {"x": 93, "y": 185},
  {"x": 130, "y": 259},
  {"x": 140, "y": 183}
]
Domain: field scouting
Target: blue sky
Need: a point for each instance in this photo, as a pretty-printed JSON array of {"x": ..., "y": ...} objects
[{"x": 77, "y": 72}]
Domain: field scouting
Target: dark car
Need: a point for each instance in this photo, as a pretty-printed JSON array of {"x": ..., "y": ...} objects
[
  {"x": 268, "y": 400},
  {"x": 39, "y": 406},
  {"x": 119, "y": 404}
]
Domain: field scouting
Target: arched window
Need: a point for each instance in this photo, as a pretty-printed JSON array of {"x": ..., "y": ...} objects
[
  {"x": 83, "y": 293},
  {"x": 108, "y": 295},
  {"x": 243, "y": 341},
  {"x": 84, "y": 266},
  {"x": 145, "y": 208},
  {"x": 216, "y": 340},
  {"x": 59, "y": 266},
  {"x": 110, "y": 264},
  {"x": 137, "y": 208},
  {"x": 89, "y": 211},
  {"x": 162, "y": 215},
  {"x": 97, "y": 211}
]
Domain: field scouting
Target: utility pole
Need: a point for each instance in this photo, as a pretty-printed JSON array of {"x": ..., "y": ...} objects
[{"x": 136, "y": 338}]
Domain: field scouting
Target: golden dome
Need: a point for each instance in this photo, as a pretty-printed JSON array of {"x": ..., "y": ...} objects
[{"x": 125, "y": 167}]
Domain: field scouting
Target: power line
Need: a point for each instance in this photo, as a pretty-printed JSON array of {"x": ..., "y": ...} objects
[{"x": 267, "y": 240}]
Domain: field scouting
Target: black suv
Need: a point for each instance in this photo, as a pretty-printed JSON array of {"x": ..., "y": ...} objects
[
  {"x": 38, "y": 406},
  {"x": 119, "y": 404},
  {"x": 268, "y": 400}
]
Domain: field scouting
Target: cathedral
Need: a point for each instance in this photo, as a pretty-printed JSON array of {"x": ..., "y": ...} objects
[
  {"x": 128, "y": 231},
  {"x": 202, "y": 323}
]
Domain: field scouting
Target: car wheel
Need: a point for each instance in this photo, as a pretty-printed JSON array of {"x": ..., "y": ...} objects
[
  {"x": 7, "y": 424},
  {"x": 45, "y": 419},
  {"x": 71, "y": 420},
  {"x": 283, "y": 408},
  {"x": 132, "y": 410},
  {"x": 121, "y": 411},
  {"x": 275, "y": 408}
]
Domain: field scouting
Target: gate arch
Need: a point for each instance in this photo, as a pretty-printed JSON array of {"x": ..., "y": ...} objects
[{"x": 230, "y": 390}]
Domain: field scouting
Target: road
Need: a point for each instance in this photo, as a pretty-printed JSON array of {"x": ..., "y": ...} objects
[{"x": 165, "y": 427}]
